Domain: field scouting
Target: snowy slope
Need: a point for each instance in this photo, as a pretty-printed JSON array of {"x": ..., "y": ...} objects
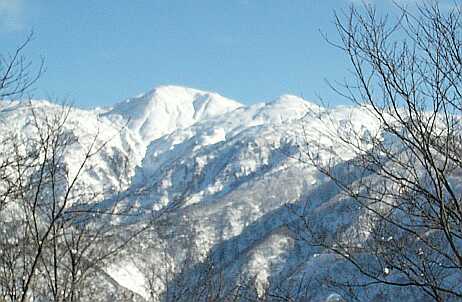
[
  {"x": 123, "y": 132},
  {"x": 109, "y": 168},
  {"x": 229, "y": 178},
  {"x": 228, "y": 172},
  {"x": 167, "y": 108}
]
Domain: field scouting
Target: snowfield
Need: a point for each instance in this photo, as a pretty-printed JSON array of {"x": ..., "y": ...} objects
[{"x": 232, "y": 177}]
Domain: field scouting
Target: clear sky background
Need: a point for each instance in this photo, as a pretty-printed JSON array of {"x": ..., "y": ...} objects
[{"x": 99, "y": 52}]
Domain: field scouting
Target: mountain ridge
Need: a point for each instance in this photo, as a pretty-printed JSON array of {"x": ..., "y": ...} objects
[{"x": 227, "y": 170}]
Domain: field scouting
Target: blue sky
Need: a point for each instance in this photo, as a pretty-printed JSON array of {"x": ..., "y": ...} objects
[{"x": 99, "y": 52}]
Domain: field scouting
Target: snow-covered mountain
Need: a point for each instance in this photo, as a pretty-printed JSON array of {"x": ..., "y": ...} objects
[
  {"x": 167, "y": 108},
  {"x": 232, "y": 176}
]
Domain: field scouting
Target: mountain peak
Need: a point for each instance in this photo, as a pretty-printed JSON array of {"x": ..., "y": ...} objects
[
  {"x": 293, "y": 101},
  {"x": 166, "y": 108},
  {"x": 172, "y": 90}
]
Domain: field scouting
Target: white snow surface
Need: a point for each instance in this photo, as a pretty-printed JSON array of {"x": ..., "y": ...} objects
[
  {"x": 227, "y": 169},
  {"x": 167, "y": 108}
]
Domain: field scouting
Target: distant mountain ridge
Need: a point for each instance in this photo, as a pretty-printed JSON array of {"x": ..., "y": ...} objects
[{"x": 231, "y": 170}]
